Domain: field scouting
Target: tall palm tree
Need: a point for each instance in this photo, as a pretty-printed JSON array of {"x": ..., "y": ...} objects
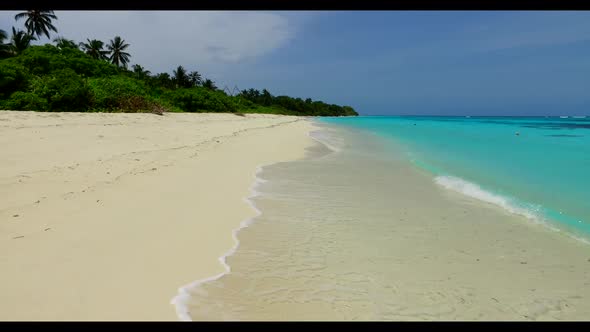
[
  {"x": 38, "y": 21},
  {"x": 61, "y": 42},
  {"x": 20, "y": 41},
  {"x": 180, "y": 77},
  {"x": 118, "y": 55},
  {"x": 140, "y": 72},
  {"x": 94, "y": 49}
]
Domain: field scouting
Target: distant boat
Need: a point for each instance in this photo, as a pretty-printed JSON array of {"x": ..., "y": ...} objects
[{"x": 564, "y": 117}]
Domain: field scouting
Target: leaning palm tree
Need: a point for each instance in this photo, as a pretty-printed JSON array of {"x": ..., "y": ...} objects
[
  {"x": 20, "y": 41},
  {"x": 118, "y": 55},
  {"x": 61, "y": 42},
  {"x": 38, "y": 21},
  {"x": 94, "y": 49}
]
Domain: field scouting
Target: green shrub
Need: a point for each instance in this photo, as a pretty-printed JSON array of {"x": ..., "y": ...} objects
[
  {"x": 119, "y": 93},
  {"x": 66, "y": 79},
  {"x": 13, "y": 77},
  {"x": 42, "y": 60},
  {"x": 26, "y": 101},
  {"x": 200, "y": 100},
  {"x": 64, "y": 90}
]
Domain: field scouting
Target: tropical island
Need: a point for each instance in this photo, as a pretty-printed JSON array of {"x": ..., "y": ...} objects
[
  {"x": 94, "y": 76},
  {"x": 101, "y": 199},
  {"x": 132, "y": 196}
]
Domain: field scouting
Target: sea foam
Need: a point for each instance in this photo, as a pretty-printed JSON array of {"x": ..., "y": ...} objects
[
  {"x": 324, "y": 137},
  {"x": 532, "y": 213},
  {"x": 473, "y": 190},
  {"x": 181, "y": 300}
]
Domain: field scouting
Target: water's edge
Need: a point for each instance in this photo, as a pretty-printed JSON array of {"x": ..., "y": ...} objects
[
  {"x": 180, "y": 301},
  {"x": 448, "y": 183},
  {"x": 551, "y": 219}
]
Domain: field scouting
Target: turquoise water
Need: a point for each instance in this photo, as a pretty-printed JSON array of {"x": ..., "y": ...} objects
[{"x": 535, "y": 166}]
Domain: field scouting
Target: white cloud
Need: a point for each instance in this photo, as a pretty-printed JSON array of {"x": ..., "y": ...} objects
[{"x": 162, "y": 40}]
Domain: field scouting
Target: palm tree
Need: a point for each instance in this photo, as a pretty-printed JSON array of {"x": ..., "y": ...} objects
[
  {"x": 20, "y": 41},
  {"x": 209, "y": 84},
  {"x": 266, "y": 98},
  {"x": 94, "y": 49},
  {"x": 180, "y": 78},
  {"x": 140, "y": 72},
  {"x": 163, "y": 79},
  {"x": 61, "y": 42},
  {"x": 195, "y": 78},
  {"x": 4, "y": 47},
  {"x": 117, "y": 48},
  {"x": 38, "y": 21}
]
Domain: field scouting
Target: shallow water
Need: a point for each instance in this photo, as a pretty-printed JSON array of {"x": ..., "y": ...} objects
[
  {"x": 535, "y": 166},
  {"x": 362, "y": 234}
]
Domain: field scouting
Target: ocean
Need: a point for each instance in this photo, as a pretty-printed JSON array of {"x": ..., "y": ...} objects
[
  {"x": 535, "y": 166},
  {"x": 414, "y": 218}
]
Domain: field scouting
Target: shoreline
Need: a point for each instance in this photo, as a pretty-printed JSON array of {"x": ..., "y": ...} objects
[
  {"x": 183, "y": 296},
  {"x": 122, "y": 241},
  {"x": 182, "y": 299},
  {"x": 408, "y": 249}
]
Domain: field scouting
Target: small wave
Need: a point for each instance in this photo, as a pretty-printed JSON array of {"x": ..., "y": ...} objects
[
  {"x": 181, "y": 300},
  {"x": 473, "y": 190},
  {"x": 324, "y": 138},
  {"x": 534, "y": 213}
]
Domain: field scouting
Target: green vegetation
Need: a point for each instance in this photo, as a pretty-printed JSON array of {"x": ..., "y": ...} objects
[{"x": 93, "y": 76}]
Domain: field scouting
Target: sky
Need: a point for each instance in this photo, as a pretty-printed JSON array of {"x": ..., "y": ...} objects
[{"x": 379, "y": 62}]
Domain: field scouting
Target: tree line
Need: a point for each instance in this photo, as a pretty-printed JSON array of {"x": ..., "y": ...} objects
[{"x": 94, "y": 76}]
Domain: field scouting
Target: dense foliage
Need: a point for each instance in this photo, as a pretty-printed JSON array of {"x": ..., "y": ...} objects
[
  {"x": 298, "y": 106},
  {"x": 93, "y": 76}
]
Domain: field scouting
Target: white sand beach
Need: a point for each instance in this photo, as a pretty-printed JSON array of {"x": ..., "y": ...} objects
[{"x": 105, "y": 216}]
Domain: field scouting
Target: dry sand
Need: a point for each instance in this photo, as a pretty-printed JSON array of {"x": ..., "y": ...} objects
[{"x": 104, "y": 216}]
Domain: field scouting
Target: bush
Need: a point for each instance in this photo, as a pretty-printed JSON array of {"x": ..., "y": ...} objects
[
  {"x": 119, "y": 93},
  {"x": 26, "y": 101},
  {"x": 13, "y": 77},
  {"x": 43, "y": 60},
  {"x": 200, "y": 100},
  {"x": 66, "y": 79},
  {"x": 64, "y": 90}
]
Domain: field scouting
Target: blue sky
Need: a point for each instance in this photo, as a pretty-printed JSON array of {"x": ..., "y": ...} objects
[
  {"x": 439, "y": 62},
  {"x": 384, "y": 62}
]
